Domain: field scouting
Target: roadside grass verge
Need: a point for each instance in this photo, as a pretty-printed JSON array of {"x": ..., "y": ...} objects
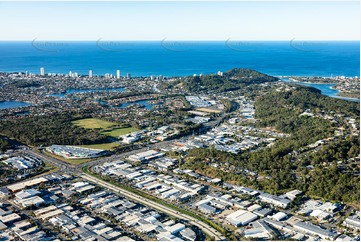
[{"x": 48, "y": 168}]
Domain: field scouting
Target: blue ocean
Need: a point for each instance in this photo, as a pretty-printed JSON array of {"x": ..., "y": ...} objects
[{"x": 180, "y": 58}]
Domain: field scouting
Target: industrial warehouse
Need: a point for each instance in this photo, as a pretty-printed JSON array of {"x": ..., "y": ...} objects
[{"x": 73, "y": 152}]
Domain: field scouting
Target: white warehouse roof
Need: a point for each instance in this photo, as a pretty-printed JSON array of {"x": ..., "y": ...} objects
[
  {"x": 241, "y": 217},
  {"x": 279, "y": 216}
]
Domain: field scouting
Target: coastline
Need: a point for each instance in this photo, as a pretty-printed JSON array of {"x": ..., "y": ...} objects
[
  {"x": 347, "y": 98},
  {"x": 323, "y": 87},
  {"x": 351, "y": 98},
  {"x": 310, "y": 82},
  {"x": 318, "y": 83},
  {"x": 344, "y": 94}
]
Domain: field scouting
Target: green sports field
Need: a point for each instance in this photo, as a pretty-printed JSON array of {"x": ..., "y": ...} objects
[
  {"x": 106, "y": 128},
  {"x": 93, "y": 123},
  {"x": 105, "y": 146},
  {"x": 115, "y": 133}
]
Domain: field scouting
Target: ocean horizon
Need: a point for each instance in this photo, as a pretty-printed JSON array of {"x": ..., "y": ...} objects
[{"x": 182, "y": 58}]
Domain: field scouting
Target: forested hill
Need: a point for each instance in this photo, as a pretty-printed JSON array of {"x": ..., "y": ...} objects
[
  {"x": 282, "y": 109},
  {"x": 244, "y": 75},
  {"x": 231, "y": 80},
  {"x": 302, "y": 98}
]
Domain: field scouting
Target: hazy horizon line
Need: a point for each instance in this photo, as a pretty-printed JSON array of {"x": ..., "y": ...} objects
[{"x": 139, "y": 40}]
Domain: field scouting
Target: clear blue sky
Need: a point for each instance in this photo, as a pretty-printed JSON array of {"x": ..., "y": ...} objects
[{"x": 180, "y": 20}]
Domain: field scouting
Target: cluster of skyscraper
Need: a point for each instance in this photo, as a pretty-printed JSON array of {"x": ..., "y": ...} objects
[{"x": 75, "y": 74}]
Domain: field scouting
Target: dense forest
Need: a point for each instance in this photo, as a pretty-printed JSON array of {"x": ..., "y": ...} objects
[
  {"x": 47, "y": 130},
  {"x": 233, "y": 79},
  {"x": 302, "y": 98},
  {"x": 279, "y": 168},
  {"x": 4, "y": 144}
]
